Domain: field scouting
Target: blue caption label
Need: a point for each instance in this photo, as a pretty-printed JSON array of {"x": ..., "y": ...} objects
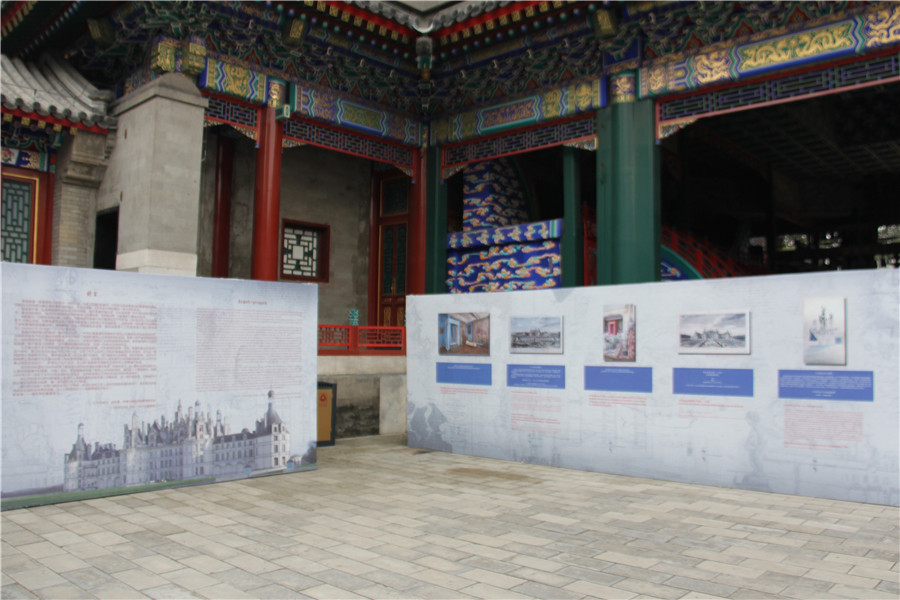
[
  {"x": 858, "y": 386},
  {"x": 619, "y": 379},
  {"x": 713, "y": 382},
  {"x": 536, "y": 376},
  {"x": 469, "y": 373}
]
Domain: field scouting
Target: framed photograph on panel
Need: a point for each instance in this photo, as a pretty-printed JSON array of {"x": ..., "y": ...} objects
[
  {"x": 536, "y": 335},
  {"x": 714, "y": 333},
  {"x": 464, "y": 333},
  {"x": 619, "y": 340},
  {"x": 824, "y": 332}
]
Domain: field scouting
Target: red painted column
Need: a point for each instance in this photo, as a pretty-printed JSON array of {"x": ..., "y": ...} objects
[
  {"x": 222, "y": 215},
  {"x": 267, "y": 199},
  {"x": 45, "y": 248},
  {"x": 374, "y": 241},
  {"x": 418, "y": 225}
]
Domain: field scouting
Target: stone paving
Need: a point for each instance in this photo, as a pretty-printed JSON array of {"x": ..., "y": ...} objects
[{"x": 380, "y": 520}]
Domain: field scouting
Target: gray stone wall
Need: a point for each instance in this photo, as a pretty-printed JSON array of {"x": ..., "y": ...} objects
[
  {"x": 320, "y": 186},
  {"x": 207, "y": 203},
  {"x": 80, "y": 168},
  {"x": 242, "y": 191},
  {"x": 317, "y": 186}
]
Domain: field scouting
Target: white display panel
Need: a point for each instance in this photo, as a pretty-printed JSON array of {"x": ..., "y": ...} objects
[
  {"x": 120, "y": 381},
  {"x": 728, "y": 412}
]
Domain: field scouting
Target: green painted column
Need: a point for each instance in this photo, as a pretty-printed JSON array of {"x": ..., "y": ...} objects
[
  {"x": 604, "y": 248},
  {"x": 573, "y": 233},
  {"x": 628, "y": 189},
  {"x": 436, "y": 223}
]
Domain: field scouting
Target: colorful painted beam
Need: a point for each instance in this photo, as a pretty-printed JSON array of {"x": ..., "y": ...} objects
[
  {"x": 556, "y": 103},
  {"x": 722, "y": 63},
  {"x": 299, "y": 131},
  {"x": 26, "y": 159},
  {"x": 676, "y": 112},
  {"x": 579, "y": 131},
  {"x": 322, "y": 103},
  {"x": 224, "y": 76},
  {"x": 233, "y": 80}
]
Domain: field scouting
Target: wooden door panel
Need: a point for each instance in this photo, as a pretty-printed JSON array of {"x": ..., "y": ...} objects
[
  {"x": 27, "y": 216},
  {"x": 392, "y": 295},
  {"x": 391, "y": 205}
]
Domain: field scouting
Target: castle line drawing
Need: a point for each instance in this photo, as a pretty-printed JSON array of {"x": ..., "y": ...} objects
[{"x": 192, "y": 446}]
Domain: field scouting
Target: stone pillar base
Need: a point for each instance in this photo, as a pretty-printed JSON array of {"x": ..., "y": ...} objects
[{"x": 160, "y": 262}]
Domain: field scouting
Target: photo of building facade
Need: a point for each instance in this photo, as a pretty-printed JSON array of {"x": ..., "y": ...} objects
[{"x": 536, "y": 335}]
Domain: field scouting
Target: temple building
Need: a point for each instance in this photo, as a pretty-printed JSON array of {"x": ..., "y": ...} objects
[
  {"x": 383, "y": 149},
  {"x": 388, "y": 148}
]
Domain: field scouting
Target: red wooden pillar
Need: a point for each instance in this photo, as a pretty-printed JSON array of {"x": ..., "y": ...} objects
[
  {"x": 374, "y": 242},
  {"x": 417, "y": 225},
  {"x": 267, "y": 199},
  {"x": 44, "y": 253},
  {"x": 222, "y": 216}
]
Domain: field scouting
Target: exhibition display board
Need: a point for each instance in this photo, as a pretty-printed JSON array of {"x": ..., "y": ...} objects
[
  {"x": 118, "y": 382},
  {"x": 786, "y": 383}
]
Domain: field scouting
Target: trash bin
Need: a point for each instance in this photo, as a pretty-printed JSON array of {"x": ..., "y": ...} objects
[{"x": 326, "y": 397}]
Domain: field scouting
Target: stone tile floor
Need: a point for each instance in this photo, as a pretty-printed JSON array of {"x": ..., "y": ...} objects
[{"x": 380, "y": 520}]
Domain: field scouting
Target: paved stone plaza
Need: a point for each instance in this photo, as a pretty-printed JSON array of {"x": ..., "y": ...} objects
[{"x": 380, "y": 520}]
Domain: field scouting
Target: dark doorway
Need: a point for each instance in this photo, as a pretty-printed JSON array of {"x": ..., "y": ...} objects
[
  {"x": 106, "y": 239},
  {"x": 810, "y": 185}
]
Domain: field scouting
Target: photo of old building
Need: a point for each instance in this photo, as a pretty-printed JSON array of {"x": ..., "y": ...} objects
[
  {"x": 535, "y": 335},
  {"x": 464, "y": 333}
]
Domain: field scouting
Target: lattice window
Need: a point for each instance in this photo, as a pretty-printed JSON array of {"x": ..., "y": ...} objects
[
  {"x": 304, "y": 251},
  {"x": 16, "y": 220}
]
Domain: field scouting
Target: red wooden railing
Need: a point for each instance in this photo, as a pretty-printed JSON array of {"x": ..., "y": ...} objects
[{"x": 354, "y": 340}]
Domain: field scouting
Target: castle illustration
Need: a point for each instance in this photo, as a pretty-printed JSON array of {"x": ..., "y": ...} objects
[{"x": 192, "y": 446}]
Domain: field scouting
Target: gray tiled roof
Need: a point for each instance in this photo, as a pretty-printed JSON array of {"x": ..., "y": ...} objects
[{"x": 52, "y": 87}]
